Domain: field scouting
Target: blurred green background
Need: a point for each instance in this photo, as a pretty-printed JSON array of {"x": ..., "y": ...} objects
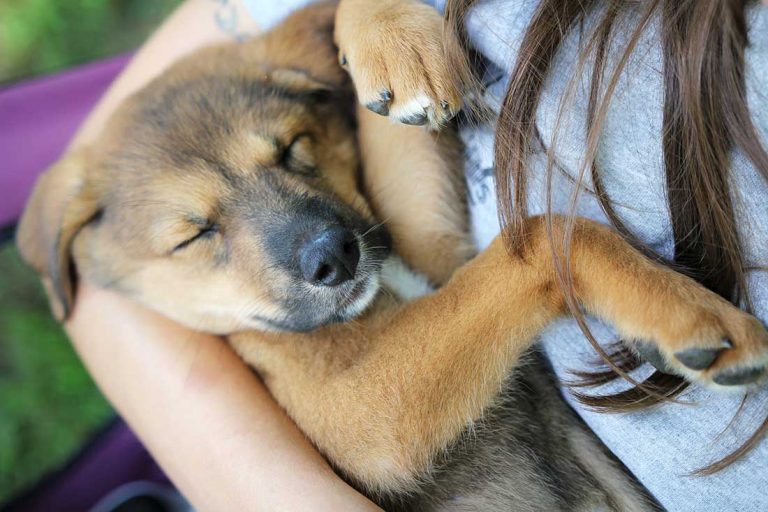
[
  {"x": 42, "y": 36},
  {"x": 48, "y": 404}
]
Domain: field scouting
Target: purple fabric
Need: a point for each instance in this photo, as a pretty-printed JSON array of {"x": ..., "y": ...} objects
[
  {"x": 114, "y": 458},
  {"x": 37, "y": 120}
]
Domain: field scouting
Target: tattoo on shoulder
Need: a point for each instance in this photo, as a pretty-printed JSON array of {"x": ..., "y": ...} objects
[{"x": 226, "y": 16}]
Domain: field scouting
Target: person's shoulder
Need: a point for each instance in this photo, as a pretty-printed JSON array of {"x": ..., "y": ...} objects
[
  {"x": 496, "y": 27},
  {"x": 756, "y": 53},
  {"x": 756, "y": 68}
]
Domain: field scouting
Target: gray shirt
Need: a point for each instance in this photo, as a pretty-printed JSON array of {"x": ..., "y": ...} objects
[{"x": 664, "y": 445}]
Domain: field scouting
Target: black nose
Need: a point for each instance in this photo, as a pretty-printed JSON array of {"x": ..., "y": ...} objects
[{"x": 330, "y": 258}]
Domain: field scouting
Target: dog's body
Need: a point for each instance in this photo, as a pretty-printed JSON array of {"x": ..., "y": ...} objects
[
  {"x": 528, "y": 452},
  {"x": 226, "y": 195}
]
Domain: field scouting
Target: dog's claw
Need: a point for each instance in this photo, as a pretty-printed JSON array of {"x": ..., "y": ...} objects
[
  {"x": 415, "y": 119},
  {"x": 651, "y": 354},
  {"x": 381, "y": 107},
  {"x": 738, "y": 376},
  {"x": 698, "y": 358}
]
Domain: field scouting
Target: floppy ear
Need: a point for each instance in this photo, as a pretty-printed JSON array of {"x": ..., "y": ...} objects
[
  {"x": 304, "y": 41},
  {"x": 299, "y": 81},
  {"x": 60, "y": 205}
]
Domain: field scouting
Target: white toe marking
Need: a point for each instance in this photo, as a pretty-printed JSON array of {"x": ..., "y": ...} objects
[
  {"x": 423, "y": 100},
  {"x": 413, "y": 107}
]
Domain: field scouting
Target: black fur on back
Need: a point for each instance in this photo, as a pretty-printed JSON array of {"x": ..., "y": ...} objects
[{"x": 520, "y": 457}]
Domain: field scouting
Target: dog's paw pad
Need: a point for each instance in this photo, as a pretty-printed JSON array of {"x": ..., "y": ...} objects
[
  {"x": 700, "y": 358},
  {"x": 652, "y": 355},
  {"x": 739, "y": 376},
  {"x": 713, "y": 343}
]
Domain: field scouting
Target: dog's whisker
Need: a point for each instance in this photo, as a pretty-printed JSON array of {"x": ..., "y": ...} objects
[{"x": 375, "y": 226}]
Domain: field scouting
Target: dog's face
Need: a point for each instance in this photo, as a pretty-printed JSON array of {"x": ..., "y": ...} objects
[
  {"x": 227, "y": 201},
  {"x": 233, "y": 204}
]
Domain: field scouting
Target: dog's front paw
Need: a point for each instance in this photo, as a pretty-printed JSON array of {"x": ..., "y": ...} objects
[
  {"x": 712, "y": 343},
  {"x": 393, "y": 51}
]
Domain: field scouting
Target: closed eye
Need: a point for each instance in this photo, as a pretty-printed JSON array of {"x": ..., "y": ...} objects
[
  {"x": 204, "y": 233},
  {"x": 298, "y": 156}
]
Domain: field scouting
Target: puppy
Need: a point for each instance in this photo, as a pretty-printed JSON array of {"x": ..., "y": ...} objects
[{"x": 228, "y": 194}]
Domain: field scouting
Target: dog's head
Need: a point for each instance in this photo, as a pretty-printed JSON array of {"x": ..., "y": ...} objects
[{"x": 224, "y": 195}]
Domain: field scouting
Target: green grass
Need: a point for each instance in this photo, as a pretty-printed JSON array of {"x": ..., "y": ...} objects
[{"x": 48, "y": 403}]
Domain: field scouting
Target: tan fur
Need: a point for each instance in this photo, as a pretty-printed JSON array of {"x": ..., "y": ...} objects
[
  {"x": 396, "y": 387},
  {"x": 423, "y": 202},
  {"x": 59, "y": 206},
  {"x": 382, "y": 395},
  {"x": 396, "y": 46}
]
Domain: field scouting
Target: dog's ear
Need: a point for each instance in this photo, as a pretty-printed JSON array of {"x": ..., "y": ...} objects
[
  {"x": 304, "y": 41},
  {"x": 60, "y": 205},
  {"x": 300, "y": 82}
]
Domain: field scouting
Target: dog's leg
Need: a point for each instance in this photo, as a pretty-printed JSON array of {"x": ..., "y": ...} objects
[
  {"x": 414, "y": 181},
  {"x": 382, "y": 395},
  {"x": 393, "y": 51}
]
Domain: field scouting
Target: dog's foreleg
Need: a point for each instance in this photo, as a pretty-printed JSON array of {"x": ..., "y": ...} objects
[
  {"x": 414, "y": 181},
  {"x": 381, "y": 396}
]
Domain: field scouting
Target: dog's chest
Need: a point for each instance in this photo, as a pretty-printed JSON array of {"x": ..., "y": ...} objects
[{"x": 406, "y": 284}]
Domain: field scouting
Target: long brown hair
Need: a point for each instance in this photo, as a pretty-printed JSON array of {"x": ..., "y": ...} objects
[{"x": 705, "y": 117}]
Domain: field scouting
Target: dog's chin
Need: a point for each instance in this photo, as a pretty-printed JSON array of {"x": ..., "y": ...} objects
[
  {"x": 361, "y": 297},
  {"x": 353, "y": 304}
]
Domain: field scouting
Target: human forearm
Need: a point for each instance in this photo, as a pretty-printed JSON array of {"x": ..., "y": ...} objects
[{"x": 202, "y": 413}]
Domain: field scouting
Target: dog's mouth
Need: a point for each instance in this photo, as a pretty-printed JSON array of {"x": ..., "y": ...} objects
[
  {"x": 311, "y": 306},
  {"x": 360, "y": 297},
  {"x": 353, "y": 303}
]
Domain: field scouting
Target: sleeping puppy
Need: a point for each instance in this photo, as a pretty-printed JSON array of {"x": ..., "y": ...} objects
[{"x": 228, "y": 195}]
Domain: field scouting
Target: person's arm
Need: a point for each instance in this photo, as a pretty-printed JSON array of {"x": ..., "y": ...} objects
[{"x": 203, "y": 414}]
